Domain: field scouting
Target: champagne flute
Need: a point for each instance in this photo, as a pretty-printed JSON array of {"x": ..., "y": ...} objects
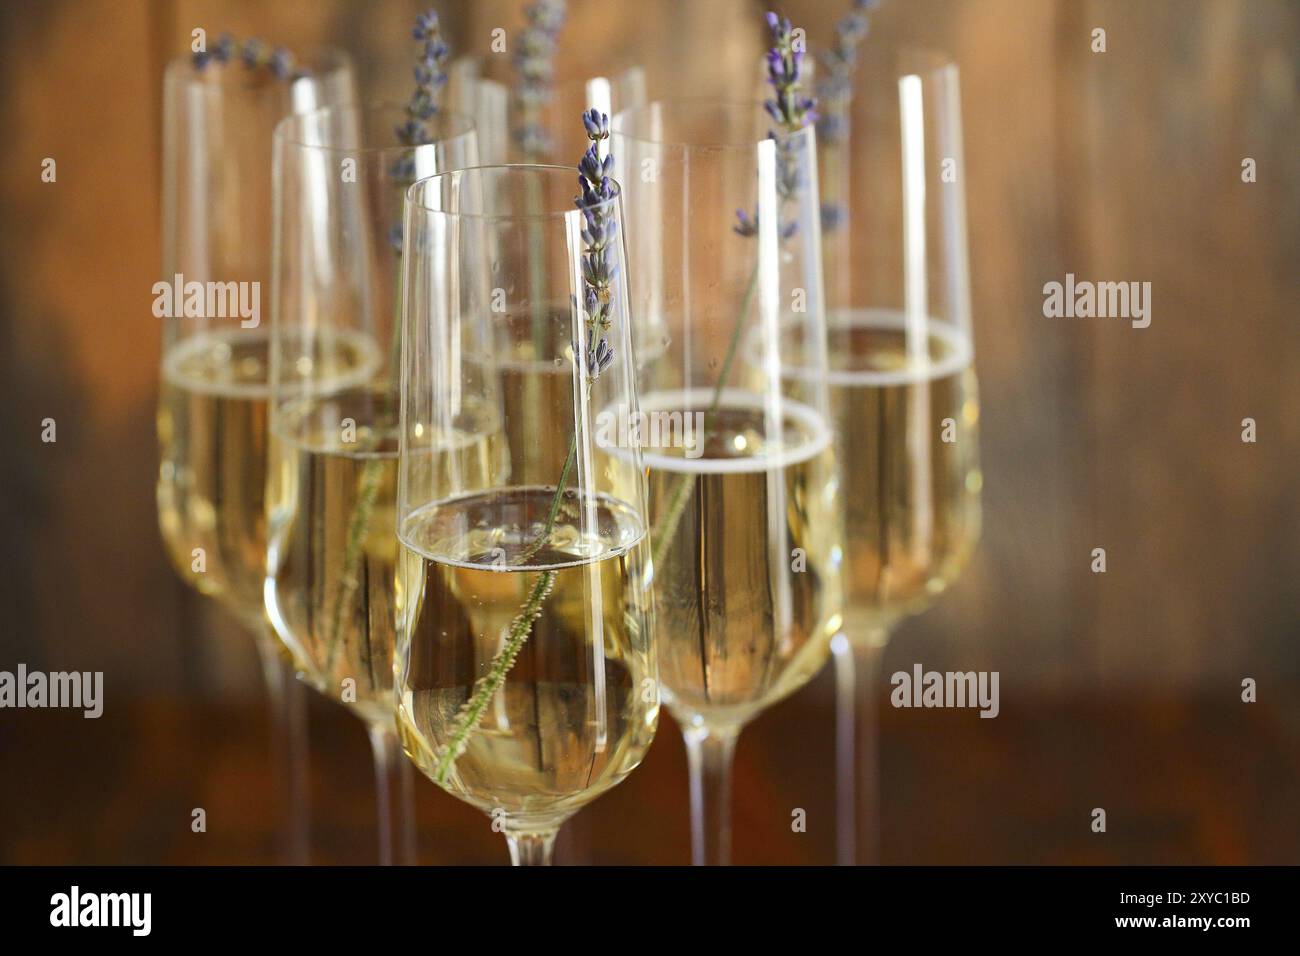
[
  {"x": 743, "y": 495},
  {"x": 903, "y": 399},
  {"x": 216, "y": 199},
  {"x": 331, "y": 587},
  {"x": 526, "y": 674}
]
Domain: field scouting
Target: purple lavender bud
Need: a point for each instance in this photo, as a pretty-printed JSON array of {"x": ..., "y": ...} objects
[
  {"x": 281, "y": 63},
  {"x": 596, "y": 124},
  {"x": 225, "y": 48},
  {"x": 402, "y": 169},
  {"x": 254, "y": 52},
  {"x": 426, "y": 25},
  {"x": 411, "y": 132},
  {"x": 590, "y": 165},
  {"x": 745, "y": 226},
  {"x": 830, "y": 128},
  {"x": 832, "y": 215}
]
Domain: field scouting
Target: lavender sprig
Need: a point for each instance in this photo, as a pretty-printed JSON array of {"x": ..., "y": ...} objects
[
  {"x": 836, "y": 89},
  {"x": 599, "y": 276},
  {"x": 430, "y": 79},
  {"x": 253, "y": 53},
  {"x": 599, "y": 267},
  {"x": 792, "y": 112},
  {"x": 535, "y": 63},
  {"x": 425, "y": 102},
  {"x": 842, "y": 57},
  {"x": 788, "y": 109}
]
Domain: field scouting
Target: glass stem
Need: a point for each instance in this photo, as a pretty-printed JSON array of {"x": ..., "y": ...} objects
[
  {"x": 393, "y": 797},
  {"x": 857, "y": 760},
  {"x": 710, "y": 752},
  {"x": 290, "y": 751},
  {"x": 531, "y": 849}
]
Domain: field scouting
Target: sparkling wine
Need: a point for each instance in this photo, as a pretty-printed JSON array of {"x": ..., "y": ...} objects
[
  {"x": 212, "y": 431},
  {"x": 332, "y": 589},
  {"x": 746, "y": 575},
  {"x": 578, "y": 708},
  {"x": 212, "y": 428},
  {"x": 906, "y": 415}
]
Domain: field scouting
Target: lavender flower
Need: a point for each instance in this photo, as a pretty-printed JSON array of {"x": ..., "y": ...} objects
[
  {"x": 225, "y": 48},
  {"x": 747, "y": 227},
  {"x": 842, "y": 57},
  {"x": 791, "y": 111},
  {"x": 535, "y": 63},
  {"x": 836, "y": 89},
  {"x": 430, "y": 78},
  {"x": 425, "y": 102},
  {"x": 281, "y": 63},
  {"x": 788, "y": 109},
  {"x": 255, "y": 54},
  {"x": 599, "y": 265},
  {"x": 832, "y": 216}
]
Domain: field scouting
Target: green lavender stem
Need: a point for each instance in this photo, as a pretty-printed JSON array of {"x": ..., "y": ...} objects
[
  {"x": 469, "y": 716},
  {"x": 667, "y": 529},
  {"x": 554, "y": 511},
  {"x": 367, "y": 494},
  {"x": 358, "y": 529},
  {"x": 471, "y": 713}
]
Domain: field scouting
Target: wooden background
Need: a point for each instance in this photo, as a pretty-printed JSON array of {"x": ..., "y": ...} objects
[{"x": 1117, "y": 166}]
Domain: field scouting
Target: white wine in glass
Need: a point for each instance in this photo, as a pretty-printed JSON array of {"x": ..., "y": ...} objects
[
  {"x": 572, "y": 718},
  {"x": 527, "y": 683},
  {"x": 336, "y": 592},
  {"x": 212, "y": 432},
  {"x": 744, "y": 511},
  {"x": 212, "y": 412},
  {"x": 331, "y": 589},
  {"x": 906, "y": 420},
  {"x": 905, "y": 406},
  {"x": 737, "y": 631}
]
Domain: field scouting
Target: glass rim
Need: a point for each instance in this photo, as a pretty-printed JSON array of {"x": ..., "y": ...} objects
[
  {"x": 414, "y": 193},
  {"x": 750, "y": 107},
  {"x": 282, "y": 134},
  {"x": 328, "y": 62}
]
